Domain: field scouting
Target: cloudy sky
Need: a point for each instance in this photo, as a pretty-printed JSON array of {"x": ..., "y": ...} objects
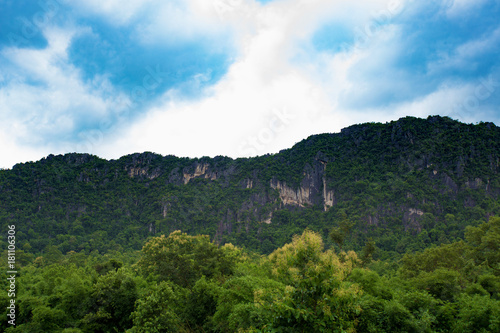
[{"x": 234, "y": 77}]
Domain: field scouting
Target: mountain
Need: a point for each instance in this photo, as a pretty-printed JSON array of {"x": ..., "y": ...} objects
[{"x": 404, "y": 184}]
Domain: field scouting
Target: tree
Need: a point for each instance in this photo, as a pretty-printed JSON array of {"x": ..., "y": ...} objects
[
  {"x": 477, "y": 314},
  {"x": 112, "y": 302},
  {"x": 339, "y": 234},
  {"x": 367, "y": 252},
  {"x": 485, "y": 243},
  {"x": 183, "y": 259},
  {"x": 238, "y": 304},
  {"x": 157, "y": 311},
  {"x": 317, "y": 298}
]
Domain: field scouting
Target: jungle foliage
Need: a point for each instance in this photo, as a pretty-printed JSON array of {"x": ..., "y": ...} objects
[
  {"x": 183, "y": 283},
  {"x": 405, "y": 185},
  {"x": 147, "y": 243}
]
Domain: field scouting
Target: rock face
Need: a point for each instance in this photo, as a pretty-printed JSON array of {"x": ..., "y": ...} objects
[
  {"x": 312, "y": 190},
  {"x": 474, "y": 184},
  {"x": 411, "y": 219},
  {"x": 145, "y": 172},
  {"x": 247, "y": 183},
  {"x": 289, "y": 196},
  {"x": 328, "y": 196},
  {"x": 199, "y": 170},
  {"x": 416, "y": 211}
]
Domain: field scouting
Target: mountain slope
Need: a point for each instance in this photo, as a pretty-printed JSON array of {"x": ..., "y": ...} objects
[{"x": 406, "y": 184}]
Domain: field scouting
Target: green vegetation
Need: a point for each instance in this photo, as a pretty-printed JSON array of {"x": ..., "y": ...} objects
[
  {"x": 406, "y": 185},
  {"x": 379, "y": 228},
  {"x": 183, "y": 283}
]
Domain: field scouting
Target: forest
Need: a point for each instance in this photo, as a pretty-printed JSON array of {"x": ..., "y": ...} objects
[
  {"x": 379, "y": 228},
  {"x": 183, "y": 283}
]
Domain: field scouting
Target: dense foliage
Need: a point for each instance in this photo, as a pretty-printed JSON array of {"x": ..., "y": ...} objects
[
  {"x": 183, "y": 283},
  {"x": 406, "y": 185},
  {"x": 379, "y": 228}
]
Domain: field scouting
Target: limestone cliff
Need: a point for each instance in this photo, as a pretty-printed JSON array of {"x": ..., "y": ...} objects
[
  {"x": 289, "y": 196},
  {"x": 199, "y": 170}
]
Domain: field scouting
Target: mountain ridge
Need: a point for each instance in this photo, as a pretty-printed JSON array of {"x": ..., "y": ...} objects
[{"x": 405, "y": 176}]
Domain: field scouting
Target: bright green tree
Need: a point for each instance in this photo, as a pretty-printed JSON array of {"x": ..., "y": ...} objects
[
  {"x": 158, "y": 310},
  {"x": 316, "y": 297}
]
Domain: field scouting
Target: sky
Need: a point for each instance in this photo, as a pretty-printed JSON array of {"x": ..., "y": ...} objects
[{"x": 237, "y": 78}]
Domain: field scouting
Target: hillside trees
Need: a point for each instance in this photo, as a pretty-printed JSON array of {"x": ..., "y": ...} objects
[
  {"x": 395, "y": 180},
  {"x": 300, "y": 287}
]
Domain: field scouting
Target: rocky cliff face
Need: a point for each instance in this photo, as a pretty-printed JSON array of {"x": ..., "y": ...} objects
[
  {"x": 289, "y": 196},
  {"x": 200, "y": 170},
  {"x": 312, "y": 190},
  {"x": 315, "y": 188}
]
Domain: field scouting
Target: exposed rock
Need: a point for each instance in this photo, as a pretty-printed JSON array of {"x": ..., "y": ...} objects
[
  {"x": 450, "y": 183},
  {"x": 372, "y": 220},
  {"x": 143, "y": 172},
  {"x": 329, "y": 198},
  {"x": 411, "y": 218},
  {"x": 268, "y": 219},
  {"x": 164, "y": 208},
  {"x": 200, "y": 170},
  {"x": 474, "y": 184},
  {"x": 416, "y": 211},
  {"x": 289, "y": 196},
  {"x": 246, "y": 183}
]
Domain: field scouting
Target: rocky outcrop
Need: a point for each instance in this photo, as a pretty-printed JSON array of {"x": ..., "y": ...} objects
[
  {"x": 372, "y": 220},
  {"x": 200, "y": 170},
  {"x": 474, "y": 184},
  {"x": 165, "y": 205},
  {"x": 416, "y": 211},
  {"x": 328, "y": 196},
  {"x": 312, "y": 190},
  {"x": 289, "y": 196},
  {"x": 329, "y": 199},
  {"x": 268, "y": 219},
  {"x": 143, "y": 172},
  {"x": 247, "y": 183},
  {"x": 411, "y": 219}
]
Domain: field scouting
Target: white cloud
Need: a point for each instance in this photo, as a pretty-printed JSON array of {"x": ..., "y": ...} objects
[
  {"x": 264, "y": 103},
  {"x": 13, "y": 153},
  {"x": 267, "y": 102},
  {"x": 457, "y": 8},
  {"x": 175, "y": 21},
  {"x": 44, "y": 99}
]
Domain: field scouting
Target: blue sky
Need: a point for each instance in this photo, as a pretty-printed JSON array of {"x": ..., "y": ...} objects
[{"x": 234, "y": 77}]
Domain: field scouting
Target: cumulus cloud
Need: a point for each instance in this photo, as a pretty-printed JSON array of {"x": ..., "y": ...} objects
[{"x": 268, "y": 100}]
